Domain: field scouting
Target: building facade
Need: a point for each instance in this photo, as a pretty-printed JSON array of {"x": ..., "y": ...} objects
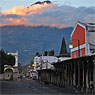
[
  {"x": 11, "y": 72},
  {"x": 44, "y": 62},
  {"x": 83, "y": 40},
  {"x": 77, "y": 72}
]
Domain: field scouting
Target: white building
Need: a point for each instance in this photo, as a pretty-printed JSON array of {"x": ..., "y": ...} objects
[
  {"x": 44, "y": 62},
  {"x": 37, "y": 62},
  {"x": 11, "y": 72}
]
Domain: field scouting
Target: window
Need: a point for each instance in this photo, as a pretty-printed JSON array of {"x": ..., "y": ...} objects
[
  {"x": 92, "y": 48},
  {"x": 80, "y": 52}
]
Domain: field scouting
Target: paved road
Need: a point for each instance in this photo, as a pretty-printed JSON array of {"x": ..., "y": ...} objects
[{"x": 31, "y": 87}]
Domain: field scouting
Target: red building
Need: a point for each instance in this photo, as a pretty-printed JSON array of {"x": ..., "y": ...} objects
[{"x": 83, "y": 39}]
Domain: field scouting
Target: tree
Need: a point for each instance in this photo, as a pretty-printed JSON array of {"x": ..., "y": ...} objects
[
  {"x": 5, "y": 59},
  {"x": 63, "y": 50},
  {"x": 10, "y": 60},
  {"x": 51, "y": 53},
  {"x": 45, "y": 53},
  {"x": 37, "y": 54},
  {"x": 2, "y": 61}
]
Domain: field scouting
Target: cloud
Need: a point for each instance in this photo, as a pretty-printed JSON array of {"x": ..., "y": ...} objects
[
  {"x": 23, "y": 10},
  {"x": 9, "y": 16},
  {"x": 47, "y": 14}
]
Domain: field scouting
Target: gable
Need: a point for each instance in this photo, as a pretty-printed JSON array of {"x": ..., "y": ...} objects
[{"x": 78, "y": 34}]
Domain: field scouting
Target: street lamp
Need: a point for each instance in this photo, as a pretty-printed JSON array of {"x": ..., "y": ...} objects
[{"x": 71, "y": 45}]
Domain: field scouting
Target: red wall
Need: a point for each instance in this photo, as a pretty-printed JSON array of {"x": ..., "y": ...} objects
[
  {"x": 79, "y": 33},
  {"x": 76, "y": 54},
  {"x": 72, "y": 54},
  {"x": 83, "y": 53}
]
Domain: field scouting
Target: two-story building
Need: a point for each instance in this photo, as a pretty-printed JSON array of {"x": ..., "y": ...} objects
[{"x": 83, "y": 40}]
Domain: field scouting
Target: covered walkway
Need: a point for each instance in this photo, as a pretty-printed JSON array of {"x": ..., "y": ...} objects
[{"x": 78, "y": 73}]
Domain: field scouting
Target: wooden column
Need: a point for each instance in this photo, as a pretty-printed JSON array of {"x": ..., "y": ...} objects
[
  {"x": 87, "y": 83},
  {"x": 64, "y": 75},
  {"x": 81, "y": 75},
  {"x": 74, "y": 74},
  {"x": 85, "y": 75},
  {"x": 94, "y": 73}
]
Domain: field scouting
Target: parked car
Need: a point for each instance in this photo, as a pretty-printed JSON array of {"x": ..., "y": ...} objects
[
  {"x": 27, "y": 77},
  {"x": 20, "y": 76}
]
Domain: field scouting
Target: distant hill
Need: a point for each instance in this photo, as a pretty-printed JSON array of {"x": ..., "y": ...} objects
[{"x": 31, "y": 39}]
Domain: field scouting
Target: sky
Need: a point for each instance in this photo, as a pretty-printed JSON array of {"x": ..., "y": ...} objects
[
  {"x": 6, "y": 4},
  {"x": 61, "y": 13}
]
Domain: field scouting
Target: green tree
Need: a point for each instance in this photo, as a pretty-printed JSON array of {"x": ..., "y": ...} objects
[
  {"x": 5, "y": 59},
  {"x": 51, "y": 53},
  {"x": 37, "y": 54},
  {"x": 63, "y": 49},
  {"x": 10, "y": 60},
  {"x": 45, "y": 53}
]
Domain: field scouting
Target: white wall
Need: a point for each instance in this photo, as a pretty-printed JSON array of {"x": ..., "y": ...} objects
[
  {"x": 91, "y": 42},
  {"x": 91, "y": 38}
]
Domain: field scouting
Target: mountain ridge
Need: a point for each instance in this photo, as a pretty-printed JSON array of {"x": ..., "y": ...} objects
[{"x": 31, "y": 39}]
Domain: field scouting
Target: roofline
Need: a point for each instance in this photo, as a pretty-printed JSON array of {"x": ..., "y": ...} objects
[
  {"x": 78, "y": 23},
  {"x": 75, "y": 59},
  {"x": 12, "y": 53}
]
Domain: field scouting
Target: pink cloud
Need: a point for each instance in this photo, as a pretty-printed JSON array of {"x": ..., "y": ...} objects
[
  {"x": 48, "y": 15},
  {"x": 23, "y": 10}
]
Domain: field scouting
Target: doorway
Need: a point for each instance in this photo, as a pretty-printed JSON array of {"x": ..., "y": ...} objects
[{"x": 8, "y": 74}]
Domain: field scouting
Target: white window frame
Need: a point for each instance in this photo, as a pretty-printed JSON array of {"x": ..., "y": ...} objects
[{"x": 80, "y": 52}]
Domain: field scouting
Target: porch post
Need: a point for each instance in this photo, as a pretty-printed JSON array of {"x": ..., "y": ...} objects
[{"x": 94, "y": 74}]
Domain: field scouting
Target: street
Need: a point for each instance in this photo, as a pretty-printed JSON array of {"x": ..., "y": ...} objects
[{"x": 32, "y": 87}]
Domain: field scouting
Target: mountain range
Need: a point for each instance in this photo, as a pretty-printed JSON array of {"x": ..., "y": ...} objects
[{"x": 28, "y": 40}]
